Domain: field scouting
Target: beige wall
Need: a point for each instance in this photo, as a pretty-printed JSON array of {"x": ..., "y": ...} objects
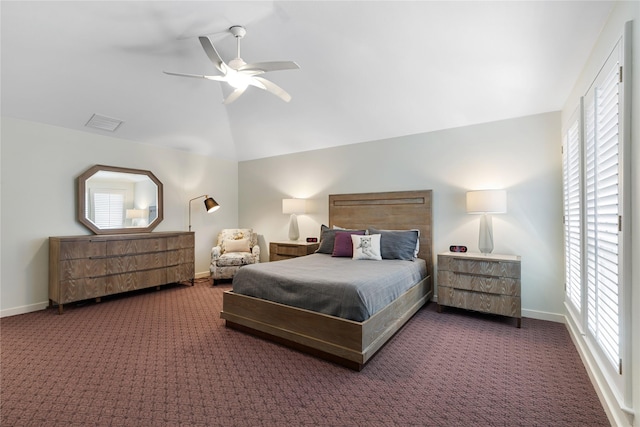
[
  {"x": 39, "y": 167},
  {"x": 520, "y": 155}
]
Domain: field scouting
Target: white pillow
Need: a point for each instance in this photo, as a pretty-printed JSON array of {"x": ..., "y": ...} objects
[
  {"x": 366, "y": 247},
  {"x": 240, "y": 245}
]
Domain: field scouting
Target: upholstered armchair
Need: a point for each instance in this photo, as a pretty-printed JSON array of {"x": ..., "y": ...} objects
[{"x": 235, "y": 247}]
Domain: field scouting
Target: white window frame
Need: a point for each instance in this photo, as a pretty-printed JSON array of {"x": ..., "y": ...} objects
[
  {"x": 617, "y": 374},
  {"x": 573, "y": 189}
]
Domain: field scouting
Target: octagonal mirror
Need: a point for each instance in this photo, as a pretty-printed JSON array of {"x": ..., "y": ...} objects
[{"x": 113, "y": 200}]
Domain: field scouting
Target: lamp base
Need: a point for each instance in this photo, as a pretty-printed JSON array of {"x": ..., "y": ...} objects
[
  {"x": 485, "y": 240},
  {"x": 294, "y": 234}
]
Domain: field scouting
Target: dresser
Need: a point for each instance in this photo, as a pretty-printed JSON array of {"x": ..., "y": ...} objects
[
  {"x": 85, "y": 267},
  {"x": 290, "y": 249},
  {"x": 482, "y": 282}
]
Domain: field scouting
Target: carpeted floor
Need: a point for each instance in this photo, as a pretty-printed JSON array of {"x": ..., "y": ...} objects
[{"x": 164, "y": 358}]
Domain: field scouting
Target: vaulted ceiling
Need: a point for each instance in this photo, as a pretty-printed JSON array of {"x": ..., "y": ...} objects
[{"x": 368, "y": 69}]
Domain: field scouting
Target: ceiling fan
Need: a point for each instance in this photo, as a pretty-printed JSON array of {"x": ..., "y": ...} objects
[{"x": 240, "y": 75}]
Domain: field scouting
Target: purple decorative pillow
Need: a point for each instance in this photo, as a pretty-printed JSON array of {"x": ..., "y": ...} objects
[{"x": 343, "y": 247}]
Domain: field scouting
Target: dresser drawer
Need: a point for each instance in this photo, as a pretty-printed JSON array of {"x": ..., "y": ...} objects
[
  {"x": 80, "y": 289},
  {"x": 135, "y": 280},
  {"x": 136, "y": 246},
  {"x": 129, "y": 263},
  {"x": 179, "y": 273},
  {"x": 285, "y": 250},
  {"x": 81, "y": 249},
  {"x": 177, "y": 257},
  {"x": 81, "y": 268},
  {"x": 488, "y": 284},
  {"x": 483, "y": 267},
  {"x": 180, "y": 242},
  {"x": 478, "y": 301}
]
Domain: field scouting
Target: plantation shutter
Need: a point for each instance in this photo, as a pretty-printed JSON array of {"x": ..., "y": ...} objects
[
  {"x": 108, "y": 209},
  {"x": 603, "y": 210},
  {"x": 572, "y": 215}
]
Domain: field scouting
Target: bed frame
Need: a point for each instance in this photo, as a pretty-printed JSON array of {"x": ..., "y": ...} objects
[{"x": 347, "y": 342}]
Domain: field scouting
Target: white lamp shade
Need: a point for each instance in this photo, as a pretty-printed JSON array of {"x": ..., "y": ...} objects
[
  {"x": 136, "y": 213},
  {"x": 487, "y": 201},
  {"x": 294, "y": 206}
]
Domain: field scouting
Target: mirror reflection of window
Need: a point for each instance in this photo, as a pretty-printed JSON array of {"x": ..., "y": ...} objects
[{"x": 107, "y": 208}]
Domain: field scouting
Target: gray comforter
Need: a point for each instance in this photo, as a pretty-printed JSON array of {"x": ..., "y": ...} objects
[{"x": 342, "y": 287}]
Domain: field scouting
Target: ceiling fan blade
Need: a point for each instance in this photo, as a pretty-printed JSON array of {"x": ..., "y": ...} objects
[
  {"x": 257, "y": 83},
  {"x": 270, "y": 66},
  {"x": 199, "y": 76},
  {"x": 234, "y": 95},
  {"x": 213, "y": 54},
  {"x": 217, "y": 78},
  {"x": 274, "y": 89}
]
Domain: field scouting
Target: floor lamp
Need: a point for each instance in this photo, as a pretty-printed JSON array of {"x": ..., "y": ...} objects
[
  {"x": 486, "y": 202},
  {"x": 209, "y": 204}
]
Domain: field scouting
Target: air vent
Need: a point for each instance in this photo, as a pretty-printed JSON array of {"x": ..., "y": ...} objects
[{"x": 104, "y": 123}]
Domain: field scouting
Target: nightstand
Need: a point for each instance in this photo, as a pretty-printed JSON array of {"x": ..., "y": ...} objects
[
  {"x": 290, "y": 249},
  {"x": 482, "y": 282}
]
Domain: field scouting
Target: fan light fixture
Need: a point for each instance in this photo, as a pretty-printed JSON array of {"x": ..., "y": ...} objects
[
  {"x": 209, "y": 204},
  {"x": 486, "y": 202},
  {"x": 237, "y": 73},
  {"x": 238, "y": 80}
]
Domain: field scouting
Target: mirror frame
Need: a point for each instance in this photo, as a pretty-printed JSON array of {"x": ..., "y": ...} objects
[{"x": 81, "y": 208}]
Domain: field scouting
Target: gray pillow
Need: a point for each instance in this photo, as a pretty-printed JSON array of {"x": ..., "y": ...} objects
[{"x": 398, "y": 244}]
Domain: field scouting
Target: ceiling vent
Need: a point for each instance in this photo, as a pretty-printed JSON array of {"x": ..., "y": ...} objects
[{"x": 104, "y": 123}]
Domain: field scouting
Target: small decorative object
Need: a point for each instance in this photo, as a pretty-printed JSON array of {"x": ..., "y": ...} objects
[
  {"x": 486, "y": 202},
  {"x": 293, "y": 207}
]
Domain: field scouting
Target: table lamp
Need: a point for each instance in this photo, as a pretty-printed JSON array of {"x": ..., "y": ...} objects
[
  {"x": 486, "y": 202},
  {"x": 293, "y": 207}
]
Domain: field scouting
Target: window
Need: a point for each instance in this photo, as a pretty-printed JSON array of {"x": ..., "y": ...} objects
[
  {"x": 572, "y": 214},
  {"x": 594, "y": 179},
  {"x": 107, "y": 208},
  {"x": 602, "y": 209}
]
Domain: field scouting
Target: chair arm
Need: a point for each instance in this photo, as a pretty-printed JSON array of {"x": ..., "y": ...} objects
[
  {"x": 216, "y": 251},
  {"x": 256, "y": 251}
]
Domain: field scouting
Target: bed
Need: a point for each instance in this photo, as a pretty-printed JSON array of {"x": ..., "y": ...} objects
[{"x": 351, "y": 343}]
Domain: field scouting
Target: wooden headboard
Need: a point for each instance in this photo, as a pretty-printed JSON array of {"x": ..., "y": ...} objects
[{"x": 396, "y": 210}]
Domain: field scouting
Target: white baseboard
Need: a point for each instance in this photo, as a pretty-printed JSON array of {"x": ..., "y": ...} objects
[
  {"x": 544, "y": 315},
  {"x": 24, "y": 309},
  {"x": 533, "y": 314},
  {"x": 616, "y": 414}
]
